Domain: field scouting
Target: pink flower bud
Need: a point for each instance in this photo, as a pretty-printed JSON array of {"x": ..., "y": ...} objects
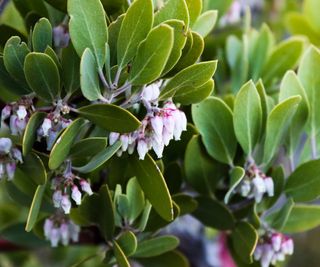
[
  {"x": 64, "y": 233},
  {"x": 5, "y": 145},
  {"x": 125, "y": 142},
  {"x": 6, "y": 112},
  {"x": 13, "y": 126},
  {"x": 157, "y": 125},
  {"x": 47, "y": 227},
  {"x": 66, "y": 204},
  {"x": 276, "y": 241},
  {"x": 85, "y": 186},
  {"x": 21, "y": 112},
  {"x": 46, "y": 126},
  {"x": 11, "y": 168},
  {"x": 54, "y": 237},
  {"x": 57, "y": 198},
  {"x": 74, "y": 231},
  {"x": 142, "y": 149},
  {"x": 16, "y": 153},
  {"x": 269, "y": 186},
  {"x": 76, "y": 195},
  {"x": 113, "y": 137}
]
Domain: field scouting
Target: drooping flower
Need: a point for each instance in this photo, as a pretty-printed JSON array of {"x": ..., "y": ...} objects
[
  {"x": 157, "y": 129},
  {"x": 273, "y": 247},
  {"x": 59, "y": 229}
]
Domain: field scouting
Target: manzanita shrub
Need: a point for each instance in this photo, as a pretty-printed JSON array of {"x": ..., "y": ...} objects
[{"x": 111, "y": 131}]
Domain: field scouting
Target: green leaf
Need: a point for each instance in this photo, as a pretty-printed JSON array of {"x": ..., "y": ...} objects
[
  {"x": 278, "y": 219},
  {"x": 202, "y": 172},
  {"x": 169, "y": 259},
  {"x": 136, "y": 199},
  {"x": 298, "y": 24},
  {"x": 110, "y": 117},
  {"x": 179, "y": 42},
  {"x": 304, "y": 183},
  {"x": 134, "y": 29},
  {"x": 260, "y": 52},
  {"x": 247, "y": 118},
  {"x": 236, "y": 176},
  {"x": 71, "y": 68},
  {"x": 34, "y": 168},
  {"x": 173, "y": 9},
  {"x": 192, "y": 95},
  {"x": 285, "y": 56},
  {"x": 194, "y": 9},
  {"x": 277, "y": 124},
  {"x": 114, "y": 29},
  {"x": 152, "y": 55},
  {"x": 310, "y": 8},
  {"x": 14, "y": 55},
  {"x": 62, "y": 147},
  {"x": 106, "y": 213},
  {"x": 195, "y": 76},
  {"x": 42, "y": 75},
  {"x": 205, "y": 22},
  {"x": 35, "y": 207},
  {"x": 214, "y": 214},
  {"x": 291, "y": 86},
  {"x": 88, "y": 28},
  {"x": 89, "y": 79},
  {"x": 214, "y": 120},
  {"x": 42, "y": 35},
  {"x": 59, "y": 4},
  {"x": 128, "y": 243},
  {"x": 156, "y": 246},
  {"x": 51, "y": 53},
  {"x": 310, "y": 81},
  {"x": 185, "y": 203},
  {"x": 99, "y": 159},
  {"x": 302, "y": 218},
  {"x": 88, "y": 147},
  {"x": 122, "y": 260},
  {"x": 244, "y": 239},
  {"x": 153, "y": 185},
  {"x": 191, "y": 55},
  {"x": 30, "y": 132}
]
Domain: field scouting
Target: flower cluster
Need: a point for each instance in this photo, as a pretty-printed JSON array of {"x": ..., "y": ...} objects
[
  {"x": 157, "y": 129},
  {"x": 58, "y": 228},
  {"x": 17, "y": 115},
  {"x": 68, "y": 184},
  {"x": 61, "y": 36},
  {"x": 9, "y": 157},
  {"x": 272, "y": 248},
  {"x": 50, "y": 128},
  {"x": 255, "y": 184}
]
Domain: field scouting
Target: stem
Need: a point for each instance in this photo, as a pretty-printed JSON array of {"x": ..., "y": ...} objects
[
  {"x": 117, "y": 77},
  {"x": 313, "y": 140},
  {"x": 122, "y": 89},
  {"x": 292, "y": 165},
  {"x": 104, "y": 81}
]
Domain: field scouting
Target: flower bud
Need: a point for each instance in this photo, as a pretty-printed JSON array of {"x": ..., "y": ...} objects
[
  {"x": 125, "y": 142},
  {"x": 259, "y": 188},
  {"x": 10, "y": 168},
  {"x": 85, "y": 186},
  {"x": 55, "y": 237},
  {"x": 66, "y": 204},
  {"x": 5, "y": 145},
  {"x": 142, "y": 148},
  {"x": 113, "y": 137},
  {"x": 151, "y": 92},
  {"x": 16, "y": 153},
  {"x": 48, "y": 225},
  {"x": 21, "y": 112},
  {"x": 276, "y": 241},
  {"x": 269, "y": 186},
  {"x": 46, "y": 126},
  {"x": 61, "y": 37},
  {"x": 157, "y": 125},
  {"x": 64, "y": 233},
  {"x": 76, "y": 194},
  {"x": 6, "y": 112},
  {"x": 57, "y": 198}
]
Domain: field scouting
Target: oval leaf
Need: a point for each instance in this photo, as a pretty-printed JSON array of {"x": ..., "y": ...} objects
[
  {"x": 304, "y": 183},
  {"x": 205, "y": 22},
  {"x": 236, "y": 176},
  {"x": 134, "y": 29},
  {"x": 213, "y": 118},
  {"x": 42, "y": 75},
  {"x": 110, "y": 117},
  {"x": 62, "y": 147},
  {"x": 277, "y": 125},
  {"x": 247, "y": 118},
  {"x": 89, "y": 79},
  {"x": 153, "y": 185},
  {"x": 156, "y": 246},
  {"x": 42, "y": 35},
  {"x": 152, "y": 55},
  {"x": 88, "y": 28}
]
